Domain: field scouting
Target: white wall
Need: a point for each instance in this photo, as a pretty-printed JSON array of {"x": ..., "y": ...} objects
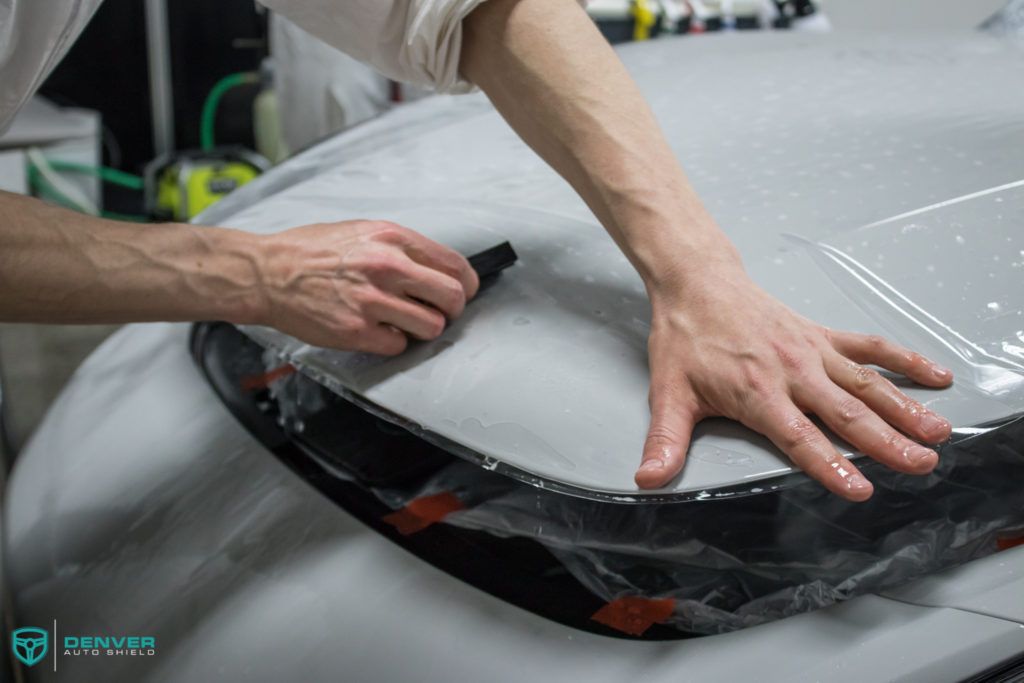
[{"x": 856, "y": 14}]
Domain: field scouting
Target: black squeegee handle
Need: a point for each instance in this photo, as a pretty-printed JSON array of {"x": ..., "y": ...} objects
[{"x": 492, "y": 261}]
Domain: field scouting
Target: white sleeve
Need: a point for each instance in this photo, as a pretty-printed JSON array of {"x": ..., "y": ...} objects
[
  {"x": 414, "y": 41},
  {"x": 34, "y": 36}
]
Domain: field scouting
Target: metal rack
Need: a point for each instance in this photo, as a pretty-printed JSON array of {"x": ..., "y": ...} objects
[{"x": 161, "y": 93}]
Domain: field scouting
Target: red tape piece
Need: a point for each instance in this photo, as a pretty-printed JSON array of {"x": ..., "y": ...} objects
[
  {"x": 422, "y": 512},
  {"x": 1007, "y": 543},
  {"x": 634, "y": 615},
  {"x": 254, "y": 382}
]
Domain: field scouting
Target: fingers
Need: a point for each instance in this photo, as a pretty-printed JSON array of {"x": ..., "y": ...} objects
[
  {"x": 672, "y": 421},
  {"x": 428, "y": 253},
  {"x": 364, "y": 285},
  {"x": 887, "y": 401},
  {"x": 858, "y": 424},
  {"x": 422, "y": 322},
  {"x": 381, "y": 339},
  {"x": 433, "y": 287},
  {"x": 875, "y": 350},
  {"x": 796, "y": 436}
]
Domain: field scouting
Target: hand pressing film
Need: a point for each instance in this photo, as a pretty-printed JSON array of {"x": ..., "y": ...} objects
[
  {"x": 362, "y": 285},
  {"x": 729, "y": 349},
  {"x": 367, "y": 285}
]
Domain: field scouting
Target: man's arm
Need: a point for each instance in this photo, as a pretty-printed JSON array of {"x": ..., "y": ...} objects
[
  {"x": 355, "y": 285},
  {"x": 719, "y": 345}
]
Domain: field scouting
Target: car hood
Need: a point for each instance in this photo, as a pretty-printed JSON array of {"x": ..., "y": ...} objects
[{"x": 872, "y": 182}]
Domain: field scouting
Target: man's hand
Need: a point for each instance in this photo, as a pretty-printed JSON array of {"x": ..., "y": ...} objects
[
  {"x": 732, "y": 350},
  {"x": 362, "y": 285},
  {"x": 719, "y": 345},
  {"x": 354, "y": 285}
]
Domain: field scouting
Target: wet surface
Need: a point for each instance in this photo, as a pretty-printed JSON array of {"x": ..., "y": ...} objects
[{"x": 873, "y": 183}]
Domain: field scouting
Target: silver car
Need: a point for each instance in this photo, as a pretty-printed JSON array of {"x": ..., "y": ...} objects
[{"x": 209, "y": 503}]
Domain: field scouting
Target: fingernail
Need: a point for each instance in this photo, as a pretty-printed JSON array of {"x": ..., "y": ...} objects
[
  {"x": 919, "y": 454},
  {"x": 652, "y": 465},
  {"x": 857, "y": 482},
  {"x": 941, "y": 372},
  {"x": 933, "y": 423}
]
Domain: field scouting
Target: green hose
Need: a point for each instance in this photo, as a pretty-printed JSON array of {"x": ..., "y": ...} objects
[
  {"x": 125, "y": 217},
  {"x": 208, "y": 121},
  {"x": 110, "y": 175},
  {"x": 46, "y": 191}
]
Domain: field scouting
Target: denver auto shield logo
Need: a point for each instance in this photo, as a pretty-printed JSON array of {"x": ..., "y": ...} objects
[{"x": 30, "y": 644}]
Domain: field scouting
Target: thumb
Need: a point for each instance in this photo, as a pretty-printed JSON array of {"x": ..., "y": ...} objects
[{"x": 668, "y": 438}]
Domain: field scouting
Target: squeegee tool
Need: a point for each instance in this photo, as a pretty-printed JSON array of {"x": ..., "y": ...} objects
[{"x": 492, "y": 261}]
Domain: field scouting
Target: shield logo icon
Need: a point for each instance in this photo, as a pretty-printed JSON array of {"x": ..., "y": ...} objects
[{"x": 30, "y": 644}]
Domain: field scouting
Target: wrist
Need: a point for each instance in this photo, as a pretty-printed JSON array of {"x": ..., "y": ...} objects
[
  {"x": 670, "y": 237},
  {"x": 686, "y": 263},
  {"x": 236, "y": 291}
]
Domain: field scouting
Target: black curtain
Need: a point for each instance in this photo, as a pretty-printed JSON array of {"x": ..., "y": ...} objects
[{"x": 107, "y": 70}]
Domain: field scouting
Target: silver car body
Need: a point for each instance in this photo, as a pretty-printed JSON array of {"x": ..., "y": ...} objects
[{"x": 142, "y": 506}]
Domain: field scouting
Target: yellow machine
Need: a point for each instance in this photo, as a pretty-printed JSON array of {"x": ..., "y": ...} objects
[{"x": 180, "y": 186}]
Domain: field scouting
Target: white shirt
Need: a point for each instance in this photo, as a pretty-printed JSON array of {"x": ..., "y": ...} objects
[
  {"x": 34, "y": 36},
  {"x": 415, "y": 41}
]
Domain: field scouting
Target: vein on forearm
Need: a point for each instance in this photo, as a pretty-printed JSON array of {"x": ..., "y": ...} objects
[{"x": 59, "y": 266}]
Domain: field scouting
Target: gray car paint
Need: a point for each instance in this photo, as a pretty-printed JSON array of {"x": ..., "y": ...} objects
[
  {"x": 141, "y": 506},
  {"x": 872, "y": 182}
]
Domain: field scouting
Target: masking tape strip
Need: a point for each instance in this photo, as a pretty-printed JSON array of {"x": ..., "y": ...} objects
[
  {"x": 1007, "y": 543},
  {"x": 255, "y": 382},
  {"x": 423, "y": 512},
  {"x": 634, "y": 615}
]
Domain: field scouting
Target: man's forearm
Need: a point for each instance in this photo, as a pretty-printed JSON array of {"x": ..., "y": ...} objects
[
  {"x": 555, "y": 79},
  {"x": 353, "y": 285},
  {"x": 719, "y": 345},
  {"x": 58, "y": 266}
]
